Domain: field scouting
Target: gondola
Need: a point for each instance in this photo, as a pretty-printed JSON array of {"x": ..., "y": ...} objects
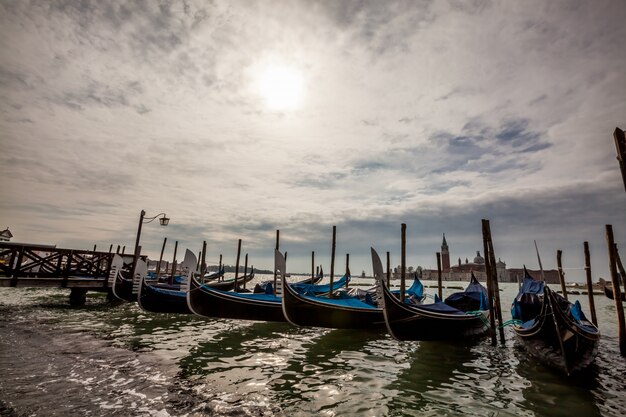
[
  {"x": 342, "y": 312},
  {"x": 122, "y": 287},
  {"x": 552, "y": 329},
  {"x": 206, "y": 301},
  {"x": 266, "y": 287},
  {"x": 461, "y": 315},
  {"x": 608, "y": 290},
  {"x": 156, "y": 298},
  {"x": 229, "y": 284}
]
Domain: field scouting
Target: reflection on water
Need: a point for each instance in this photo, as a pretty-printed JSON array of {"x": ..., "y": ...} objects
[{"x": 113, "y": 359}]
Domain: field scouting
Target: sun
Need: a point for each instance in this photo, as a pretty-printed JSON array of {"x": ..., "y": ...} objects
[{"x": 281, "y": 87}]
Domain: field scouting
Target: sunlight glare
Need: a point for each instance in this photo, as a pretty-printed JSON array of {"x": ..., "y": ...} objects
[{"x": 281, "y": 87}]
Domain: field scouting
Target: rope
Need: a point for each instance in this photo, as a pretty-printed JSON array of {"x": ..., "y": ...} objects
[{"x": 510, "y": 322}]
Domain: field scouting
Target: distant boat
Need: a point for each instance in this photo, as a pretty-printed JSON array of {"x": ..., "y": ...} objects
[
  {"x": 552, "y": 329},
  {"x": 608, "y": 290}
]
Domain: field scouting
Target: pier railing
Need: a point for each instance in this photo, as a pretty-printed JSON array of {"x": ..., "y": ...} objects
[{"x": 47, "y": 266}]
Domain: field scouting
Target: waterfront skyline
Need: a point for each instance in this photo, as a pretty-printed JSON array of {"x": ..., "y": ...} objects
[{"x": 240, "y": 118}]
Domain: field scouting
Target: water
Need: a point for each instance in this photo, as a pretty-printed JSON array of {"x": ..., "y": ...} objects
[{"x": 114, "y": 359}]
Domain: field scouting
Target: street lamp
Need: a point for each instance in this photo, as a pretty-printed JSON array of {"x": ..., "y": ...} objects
[{"x": 164, "y": 221}]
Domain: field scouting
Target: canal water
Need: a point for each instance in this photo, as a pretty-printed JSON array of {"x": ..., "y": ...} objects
[{"x": 114, "y": 359}]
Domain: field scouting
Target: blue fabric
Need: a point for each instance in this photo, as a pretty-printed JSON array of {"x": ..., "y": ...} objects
[
  {"x": 437, "y": 299},
  {"x": 312, "y": 289},
  {"x": 516, "y": 310},
  {"x": 577, "y": 312},
  {"x": 176, "y": 293},
  {"x": 345, "y": 302},
  {"x": 530, "y": 286},
  {"x": 417, "y": 289}
]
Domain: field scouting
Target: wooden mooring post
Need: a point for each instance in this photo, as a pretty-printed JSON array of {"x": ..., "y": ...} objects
[
  {"x": 619, "y": 308},
  {"x": 592, "y": 303},
  {"x": 203, "y": 266},
  {"x": 158, "y": 269},
  {"x": 312, "y": 264},
  {"x": 439, "y": 284},
  {"x": 237, "y": 265},
  {"x": 403, "y": 262},
  {"x": 245, "y": 271},
  {"x": 620, "y": 267},
  {"x": 559, "y": 254},
  {"x": 491, "y": 286},
  {"x": 277, "y": 248},
  {"x": 332, "y": 261},
  {"x": 388, "y": 271},
  {"x": 171, "y": 277},
  {"x": 347, "y": 268}
]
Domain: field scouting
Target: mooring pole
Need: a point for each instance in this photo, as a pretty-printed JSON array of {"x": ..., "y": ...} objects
[
  {"x": 245, "y": 272},
  {"x": 118, "y": 249},
  {"x": 617, "y": 296},
  {"x": 237, "y": 265},
  {"x": 317, "y": 270},
  {"x": 219, "y": 270},
  {"x": 312, "y": 265},
  {"x": 347, "y": 268},
  {"x": 277, "y": 247},
  {"x": 620, "y": 145},
  {"x": 403, "y": 262},
  {"x": 111, "y": 248},
  {"x": 559, "y": 254},
  {"x": 171, "y": 278},
  {"x": 439, "y": 284},
  {"x": 592, "y": 302},
  {"x": 620, "y": 267},
  {"x": 199, "y": 260},
  {"x": 496, "y": 287},
  {"x": 490, "y": 295},
  {"x": 388, "y": 271},
  {"x": 158, "y": 271},
  {"x": 123, "y": 249},
  {"x": 332, "y": 261},
  {"x": 203, "y": 268}
]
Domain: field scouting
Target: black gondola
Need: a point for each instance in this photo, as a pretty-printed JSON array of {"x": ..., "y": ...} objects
[
  {"x": 206, "y": 301},
  {"x": 462, "y": 315},
  {"x": 608, "y": 290},
  {"x": 266, "y": 287},
  {"x": 164, "y": 298},
  {"x": 122, "y": 287},
  {"x": 341, "y": 312},
  {"x": 552, "y": 329}
]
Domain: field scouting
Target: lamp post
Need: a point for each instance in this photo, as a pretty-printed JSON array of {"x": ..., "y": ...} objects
[{"x": 164, "y": 221}]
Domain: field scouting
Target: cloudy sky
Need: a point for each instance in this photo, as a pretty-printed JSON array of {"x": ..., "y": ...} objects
[{"x": 238, "y": 118}]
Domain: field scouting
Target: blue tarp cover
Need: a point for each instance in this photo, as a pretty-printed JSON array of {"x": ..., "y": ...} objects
[{"x": 346, "y": 302}]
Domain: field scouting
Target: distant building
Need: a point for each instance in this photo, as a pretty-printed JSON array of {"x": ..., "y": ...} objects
[
  {"x": 5, "y": 235},
  {"x": 462, "y": 271}
]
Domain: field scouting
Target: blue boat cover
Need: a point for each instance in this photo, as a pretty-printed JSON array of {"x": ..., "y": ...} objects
[
  {"x": 345, "y": 302},
  {"x": 248, "y": 295},
  {"x": 439, "y": 307},
  {"x": 312, "y": 289}
]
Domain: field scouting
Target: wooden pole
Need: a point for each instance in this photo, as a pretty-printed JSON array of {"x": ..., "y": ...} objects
[
  {"x": 219, "y": 269},
  {"x": 277, "y": 247},
  {"x": 237, "y": 265},
  {"x": 347, "y": 267},
  {"x": 332, "y": 261},
  {"x": 160, "y": 259},
  {"x": 312, "y": 264},
  {"x": 620, "y": 267},
  {"x": 403, "y": 262},
  {"x": 118, "y": 249},
  {"x": 559, "y": 254},
  {"x": 171, "y": 279},
  {"x": 496, "y": 287},
  {"x": 543, "y": 275},
  {"x": 199, "y": 259},
  {"x": 245, "y": 271},
  {"x": 203, "y": 269},
  {"x": 388, "y": 271},
  {"x": 620, "y": 145},
  {"x": 111, "y": 248},
  {"x": 592, "y": 303},
  {"x": 439, "y": 285},
  {"x": 617, "y": 298},
  {"x": 94, "y": 248},
  {"x": 317, "y": 270},
  {"x": 123, "y": 249},
  {"x": 490, "y": 295}
]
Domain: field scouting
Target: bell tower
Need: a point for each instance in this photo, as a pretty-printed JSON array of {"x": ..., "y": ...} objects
[{"x": 445, "y": 255}]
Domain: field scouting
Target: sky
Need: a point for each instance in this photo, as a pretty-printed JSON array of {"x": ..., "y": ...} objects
[{"x": 238, "y": 118}]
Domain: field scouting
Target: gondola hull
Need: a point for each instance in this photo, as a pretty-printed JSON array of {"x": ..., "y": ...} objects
[
  {"x": 413, "y": 322},
  {"x": 206, "y": 301},
  {"x": 609, "y": 293},
  {"x": 556, "y": 340},
  {"x": 302, "y": 310},
  {"x": 156, "y": 299},
  {"x": 229, "y": 284}
]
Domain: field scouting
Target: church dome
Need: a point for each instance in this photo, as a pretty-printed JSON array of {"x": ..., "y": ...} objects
[{"x": 479, "y": 259}]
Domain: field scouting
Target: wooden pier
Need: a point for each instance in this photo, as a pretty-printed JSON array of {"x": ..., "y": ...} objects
[{"x": 26, "y": 265}]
